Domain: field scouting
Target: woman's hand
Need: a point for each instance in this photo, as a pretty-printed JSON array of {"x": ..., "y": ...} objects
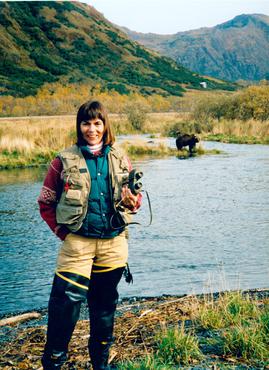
[{"x": 128, "y": 199}]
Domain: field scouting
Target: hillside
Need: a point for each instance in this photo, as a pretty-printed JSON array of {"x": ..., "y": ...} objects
[
  {"x": 71, "y": 42},
  {"x": 237, "y": 49}
]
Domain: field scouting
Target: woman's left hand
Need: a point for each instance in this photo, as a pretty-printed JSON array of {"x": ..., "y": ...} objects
[{"x": 128, "y": 199}]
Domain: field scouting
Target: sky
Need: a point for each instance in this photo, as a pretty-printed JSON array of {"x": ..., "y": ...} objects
[{"x": 172, "y": 16}]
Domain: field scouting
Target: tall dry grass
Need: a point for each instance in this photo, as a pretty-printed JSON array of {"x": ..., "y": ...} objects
[
  {"x": 24, "y": 140},
  {"x": 36, "y": 133},
  {"x": 259, "y": 129},
  {"x": 57, "y": 132},
  {"x": 35, "y": 140}
]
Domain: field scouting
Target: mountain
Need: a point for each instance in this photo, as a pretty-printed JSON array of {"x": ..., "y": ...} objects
[
  {"x": 71, "y": 42},
  {"x": 237, "y": 49}
]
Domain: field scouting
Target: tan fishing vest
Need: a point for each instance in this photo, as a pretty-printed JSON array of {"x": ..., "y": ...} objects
[{"x": 73, "y": 204}]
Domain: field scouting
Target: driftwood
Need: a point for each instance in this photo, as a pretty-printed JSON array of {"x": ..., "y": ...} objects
[{"x": 19, "y": 318}]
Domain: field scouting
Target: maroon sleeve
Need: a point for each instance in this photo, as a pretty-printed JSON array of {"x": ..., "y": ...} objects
[{"x": 49, "y": 197}]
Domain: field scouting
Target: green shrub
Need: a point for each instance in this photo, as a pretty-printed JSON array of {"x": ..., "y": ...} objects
[
  {"x": 184, "y": 127},
  {"x": 249, "y": 103},
  {"x": 136, "y": 114}
]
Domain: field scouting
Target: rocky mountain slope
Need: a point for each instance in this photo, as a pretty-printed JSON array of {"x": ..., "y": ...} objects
[{"x": 237, "y": 49}]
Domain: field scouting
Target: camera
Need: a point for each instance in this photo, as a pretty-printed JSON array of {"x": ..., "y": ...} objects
[{"x": 134, "y": 184}]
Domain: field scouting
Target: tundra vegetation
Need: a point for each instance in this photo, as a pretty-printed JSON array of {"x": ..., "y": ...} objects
[
  {"x": 228, "y": 330},
  {"x": 241, "y": 117},
  {"x": 233, "y": 328}
]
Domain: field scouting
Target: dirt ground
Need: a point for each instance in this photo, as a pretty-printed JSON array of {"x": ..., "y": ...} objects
[{"x": 136, "y": 323}]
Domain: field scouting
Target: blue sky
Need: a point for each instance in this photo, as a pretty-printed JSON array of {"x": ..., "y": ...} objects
[{"x": 171, "y": 16}]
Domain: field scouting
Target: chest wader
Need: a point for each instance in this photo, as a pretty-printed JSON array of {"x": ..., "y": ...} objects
[{"x": 64, "y": 308}]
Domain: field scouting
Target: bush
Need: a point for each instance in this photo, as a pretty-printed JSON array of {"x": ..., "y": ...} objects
[
  {"x": 136, "y": 114},
  {"x": 250, "y": 103},
  {"x": 184, "y": 127}
]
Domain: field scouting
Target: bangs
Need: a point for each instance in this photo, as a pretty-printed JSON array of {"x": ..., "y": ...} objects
[{"x": 90, "y": 113}]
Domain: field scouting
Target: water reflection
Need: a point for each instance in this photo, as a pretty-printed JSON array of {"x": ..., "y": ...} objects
[{"x": 22, "y": 175}]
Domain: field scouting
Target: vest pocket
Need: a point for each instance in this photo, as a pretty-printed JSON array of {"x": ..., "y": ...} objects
[
  {"x": 73, "y": 197},
  {"x": 67, "y": 214}
]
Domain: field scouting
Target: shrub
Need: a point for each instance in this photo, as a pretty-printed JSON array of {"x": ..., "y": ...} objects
[
  {"x": 250, "y": 103},
  {"x": 136, "y": 114},
  {"x": 184, "y": 127}
]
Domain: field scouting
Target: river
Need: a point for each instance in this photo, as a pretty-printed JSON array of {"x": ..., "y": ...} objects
[{"x": 210, "y": 229}]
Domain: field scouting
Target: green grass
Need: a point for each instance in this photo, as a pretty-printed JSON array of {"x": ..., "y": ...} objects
[
  {"x": 232, "y": 309},
  {"x": 247, "y": 342},
  {"x": 148, "y": 363},
  {"x": 36, "y": 157},
  {"x": 243, "y": 326},
  {"x": 138, "y": 150},
  {"x": 16, "y": 159},
  {"x": 233, "y": 139},
  {"x": 175, "y": 347},
  {"x": 234, "y": 329}
]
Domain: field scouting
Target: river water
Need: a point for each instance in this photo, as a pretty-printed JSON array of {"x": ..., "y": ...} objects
[{"x": 210, "y": 229}]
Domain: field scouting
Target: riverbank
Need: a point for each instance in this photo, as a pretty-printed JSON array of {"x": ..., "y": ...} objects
[
  {"x": 233, "y": 139},
  {"x": 134, "y": 150},
  {"x": 32, "y": 141},
  {"x": 227, "y": 330}
]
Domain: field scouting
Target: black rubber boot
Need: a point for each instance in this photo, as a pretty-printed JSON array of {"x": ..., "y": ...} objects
[
  {"x": 102, "y": 301},
  {"x": 53, "y": 360},
  {"x": 63, "y": 313},
  {"x": 99, "y": 353}
]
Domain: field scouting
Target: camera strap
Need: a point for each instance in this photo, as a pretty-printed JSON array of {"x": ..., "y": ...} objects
[{"x": 118, "y": 217}]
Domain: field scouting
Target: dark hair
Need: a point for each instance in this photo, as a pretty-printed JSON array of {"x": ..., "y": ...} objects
[{"x": 93, "y": 109}]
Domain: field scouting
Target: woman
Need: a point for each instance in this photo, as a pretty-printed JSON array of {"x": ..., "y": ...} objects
[{"x": 84, "y": 187}]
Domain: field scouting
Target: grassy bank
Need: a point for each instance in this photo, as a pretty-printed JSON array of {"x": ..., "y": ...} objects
[
  {"x": 225, "y": 138},
  {"x": 228, "y": 131},
  {"x": 135, "y": 151},
  {"x": 220, "y": 331},
  {"x": 33, "y": 141},
  {"x": 231, "y": 330}
]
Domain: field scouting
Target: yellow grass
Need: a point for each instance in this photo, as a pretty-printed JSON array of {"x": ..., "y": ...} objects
[
  {"x": 254, "y": 128},
  {"x": 35, "y": 140},
  {"x": 20, "y": 144},
  {"x": 39, "y": 132},
  {"x": 57, "y": 132},
  {"x": 160, "y": 122}
]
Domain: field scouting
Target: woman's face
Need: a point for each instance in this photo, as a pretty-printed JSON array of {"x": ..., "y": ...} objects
[{"x": 92, "y": 131}]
